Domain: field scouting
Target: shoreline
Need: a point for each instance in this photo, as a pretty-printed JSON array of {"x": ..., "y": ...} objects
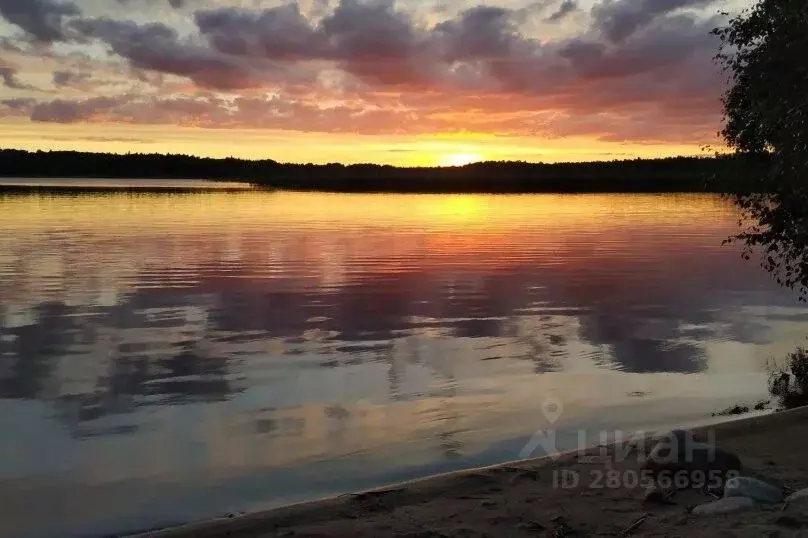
[
  {"x": 437, "y": 496},
  {"x": 11, "y": 190},
  {"x": 692, "y": 173}
]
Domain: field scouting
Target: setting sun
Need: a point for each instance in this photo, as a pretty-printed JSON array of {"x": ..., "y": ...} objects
[{"x": 460, "y": 159}]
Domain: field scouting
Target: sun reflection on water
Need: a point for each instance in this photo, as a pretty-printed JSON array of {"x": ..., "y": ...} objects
[{"x": 156, "y": 347}]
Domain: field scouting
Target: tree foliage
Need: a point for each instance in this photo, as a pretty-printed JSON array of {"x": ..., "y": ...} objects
[
  {"x": 675, "y": 174},
  {"x": 765, "y": 52}
]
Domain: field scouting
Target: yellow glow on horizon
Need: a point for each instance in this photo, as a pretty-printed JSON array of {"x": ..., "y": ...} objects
[
  {"x": 442, "y": 149},
  {"x": 460, "y": 159}
]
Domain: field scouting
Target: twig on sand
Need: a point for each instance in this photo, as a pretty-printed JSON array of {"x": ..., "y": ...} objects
[{"x": 628, "y": 531}]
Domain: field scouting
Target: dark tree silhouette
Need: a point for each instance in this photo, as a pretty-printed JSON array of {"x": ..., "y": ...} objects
[
  {"x": 764, "y": 51},
  {"x": 677, "y": 174}
]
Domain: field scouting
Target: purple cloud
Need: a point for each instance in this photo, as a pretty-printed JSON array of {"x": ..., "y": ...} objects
[
  {"x": 157, "y": 47},
  {"x": 566, "y": 8},
  {"x": 10, "y": 80},
  {"x": 42, "y": 20},
  {"x": 619, "y": 19}
]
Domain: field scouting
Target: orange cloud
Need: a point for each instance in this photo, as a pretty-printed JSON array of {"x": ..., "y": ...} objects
[{"x": 639, "y": 72}]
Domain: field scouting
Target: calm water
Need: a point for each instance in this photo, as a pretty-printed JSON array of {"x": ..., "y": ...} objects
[
  {"x": 124, "y": 184},
  {"x": 166, "y": 358}
]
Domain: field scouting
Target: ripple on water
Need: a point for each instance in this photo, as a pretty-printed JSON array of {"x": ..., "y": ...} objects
[{"x": 164, "y": 358}]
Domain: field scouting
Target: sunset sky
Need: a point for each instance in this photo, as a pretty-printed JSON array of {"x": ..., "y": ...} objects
[{"x": 406, "y": 82}]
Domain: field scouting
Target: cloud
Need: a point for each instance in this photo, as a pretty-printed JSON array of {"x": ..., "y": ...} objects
[
  {"x": 158, "y": 47},
  {"x": 9, "y": 78},
  {"x": 117, "y": 139},
  {"x": 279, "y": 33},
  {"x": 479, "y": 49},
  {"x": 18, "y": 106},
  {"x": 176, "y": 4},
  {"x": 619, "y": 19},
  {"x": 640, "y": 70},
  {"x": 371, "y": 41},
  {"x": 65, "y": 111},
  {"x": 69, "y": 78},
  {"x": 566, "y": 8},
  {"x": 668, "y": 43},
  {"x": 8, "y": 44},
  {"x": 355, "y": 30},
  {"x": 606, "y": 117},
  {"x": 43, "y": 20},
  {"x": 480, "y": 33}
]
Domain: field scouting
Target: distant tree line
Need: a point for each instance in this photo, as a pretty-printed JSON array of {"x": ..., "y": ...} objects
[
  {"x": 74, "y": 164},
  {"x": 676, "y": 174}
]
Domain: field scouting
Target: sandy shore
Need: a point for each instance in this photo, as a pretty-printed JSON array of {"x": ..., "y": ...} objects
[{"x": 527, "y": 498}]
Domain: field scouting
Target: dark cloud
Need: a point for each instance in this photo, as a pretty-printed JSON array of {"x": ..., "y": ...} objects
[
  {"x": 351, "y": 32},
  {"x": 157, "y": 47},
  {"x": 10, "y": 80},
  {"x": 62, "y": 78},
  {"x": 479, "y": 33},
  {"x": 371, "y": 41},
  {"x": 566, "y": 8},
  {"x": 64, "y": 111},
  {"x": 176, "y": 4},
  {"x": 481, "y": 48},
  {"x": 280, "y": 33},
  {"x": 666, "y": 44},
  {"x": 619, "y": 19},
  {"x": 19, "y": 105},
  {"x": 43, "y": 20},
  {"x": 355, "y": 30},
  {"x": 69, "y": 78}
]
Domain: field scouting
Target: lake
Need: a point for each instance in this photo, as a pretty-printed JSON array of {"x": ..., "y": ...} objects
[{"x": 173, "y": 357}]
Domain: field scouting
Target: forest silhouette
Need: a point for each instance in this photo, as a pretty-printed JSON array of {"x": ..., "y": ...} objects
[{"x": 674, "y": 174}]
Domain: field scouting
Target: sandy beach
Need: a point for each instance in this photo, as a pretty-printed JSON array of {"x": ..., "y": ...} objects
[{"x": 596, "y": 492}]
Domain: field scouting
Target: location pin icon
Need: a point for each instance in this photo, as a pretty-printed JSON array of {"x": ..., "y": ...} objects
[{"x": 551, "y": 408}]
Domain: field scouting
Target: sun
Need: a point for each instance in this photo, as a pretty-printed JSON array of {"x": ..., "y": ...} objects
[{"x": 460, "y": 159}]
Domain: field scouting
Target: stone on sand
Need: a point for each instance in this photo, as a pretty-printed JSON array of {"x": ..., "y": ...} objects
[
  {"x": 727, "y": 505},
  {"x": 752, "y": 488}
]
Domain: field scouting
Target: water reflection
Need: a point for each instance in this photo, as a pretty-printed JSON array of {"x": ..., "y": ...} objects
[{"x": 226, "y": 349}]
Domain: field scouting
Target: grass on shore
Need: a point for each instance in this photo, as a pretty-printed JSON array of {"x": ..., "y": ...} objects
[
  {"x": 788, "y": 384},
  {"x": 742, "y": 409},
  {"x": 788, "y": 380}
]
